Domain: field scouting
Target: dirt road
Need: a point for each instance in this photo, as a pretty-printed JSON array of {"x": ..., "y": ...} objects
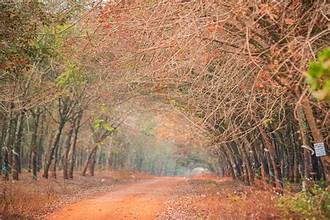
[{"x": 141, "y": 200}]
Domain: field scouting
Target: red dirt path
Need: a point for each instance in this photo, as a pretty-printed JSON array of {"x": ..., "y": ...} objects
[{"x": 142, "y": 200}]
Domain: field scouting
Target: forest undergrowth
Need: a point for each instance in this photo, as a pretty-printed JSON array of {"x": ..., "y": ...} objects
[{"x": 210, "y": 197}]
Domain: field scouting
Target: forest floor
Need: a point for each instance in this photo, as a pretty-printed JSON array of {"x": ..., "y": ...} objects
[{"x": 175, "y": 198}]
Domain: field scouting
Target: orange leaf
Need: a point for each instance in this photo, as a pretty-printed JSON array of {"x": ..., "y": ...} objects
[{"x": 289, "y": 21}]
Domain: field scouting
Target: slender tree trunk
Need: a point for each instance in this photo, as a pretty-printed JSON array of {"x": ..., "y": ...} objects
[
  {"x": 40, "y": 142},
  {"x": 233, "y": 158},
  {"x": 82, "y": 157},
  {"x": 74, "y": 146},
  {"x": 34, "y": 155},
  {"x": 2, "y": 139},
  {"x": 89, "y": 160},
  {"x": 5, "y": 150},
  {"x": 264, "y": 168},
  {"x": 296, "y": 154},
  {"x": 17, "y": 146},
  {"x": 92, "y": 164},
  {"x": 53, "y": 149},
  {"x": 11, "y": 144},
  {"x": 57, "y": 157},
  {"x": 230, "y": 162},
  {"x": 317, "y": 136},
  {"x": 272, "y": 154},
  {"x": 303, "y": 133},
  {"x": 242, "y": 155},
  {"x": 67, "y": 146},
  {"x": 296, "y": 174},
  {"x": 291, "y": 152},
  {"x": 245, "y": 150}
]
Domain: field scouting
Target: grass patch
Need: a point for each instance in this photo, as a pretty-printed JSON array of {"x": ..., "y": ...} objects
[{"x": 311, "y": 204}]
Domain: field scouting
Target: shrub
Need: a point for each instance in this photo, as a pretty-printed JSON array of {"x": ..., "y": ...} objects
[{"x": 311, "y": 204}]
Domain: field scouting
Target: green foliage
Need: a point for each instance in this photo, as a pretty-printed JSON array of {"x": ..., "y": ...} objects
[
  {"x": 108, "y": 127},
  {"x": 104, "y": 108},
  {"x": 312, "y": 204},
  {"x": 267, "y": 122},
  {"x": 48, "y": 44},
  {"x": 318, "y": 75},
  {"x": 175, "y": 103},
  {"x": 97, "y": 123},
  {"x": 71, "y": 76},
  {"x": 102, "y": 124}
]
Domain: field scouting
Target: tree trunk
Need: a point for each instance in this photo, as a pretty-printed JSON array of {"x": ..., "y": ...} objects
[
  {"x": 264, "y": 168},
  {"x": 92, "y": 164},
  {"x": 89, "y": 160},
  {"x": 233, "y": 158},
  {"x": 230, "y": 161},
  {"x": 34, "y": 155},
  {"x": 67, "y": 146},
  {"x": 317, "y": 136},
  {"x": 17, "y": 146},
  {"x": 245, "y": 150},
  {"x": 272, "y": 155},
  {"x": 11, "y": 144},
  {"x": 5, "y": 150},
  {"x": 303, "y": 132},
  {"x": 40, "y": 142},
  {"x": 74, "y": 146},
  {"x": 53, "y": 149},
  {"x": 57, "y": 156},
  {"x": 2, "y": 139}
]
